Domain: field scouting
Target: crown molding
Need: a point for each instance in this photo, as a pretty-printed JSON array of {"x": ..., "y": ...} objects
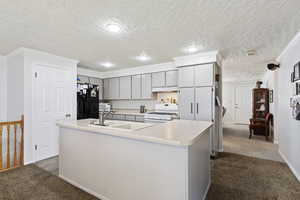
[
  {"x": 291, "y": 44},
  {"x": 200, "y": 58}
]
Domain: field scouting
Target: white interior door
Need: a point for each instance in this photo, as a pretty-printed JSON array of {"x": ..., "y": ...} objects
[
  {"x": 243, "y": 104},
  {"x": 52, "y": 100}
]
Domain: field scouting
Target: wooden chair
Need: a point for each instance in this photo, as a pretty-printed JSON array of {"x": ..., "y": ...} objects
[{"x": 261, "y": 126}]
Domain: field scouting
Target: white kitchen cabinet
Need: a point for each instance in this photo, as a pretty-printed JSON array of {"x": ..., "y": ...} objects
[
  {"x": 186, "y": 77},
  {"x": 106, "y": 89},
  {"x": 146, "y": 86},
  {"x": 171, "y": 78},
  {"x": 187, "y": 103},
  {"x": 204, "y": 75},
  {"x": 114, "y": 88},
  {"x": 125, "y": 87},
  {"x": 203, "y": 103},
  {"x": 158, "y": 79},
  {"x": 136, "y": 87}
]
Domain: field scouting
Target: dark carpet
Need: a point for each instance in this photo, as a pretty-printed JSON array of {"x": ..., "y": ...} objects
[
  {"x": 237, "y": 177},
  {"x": 234, "y": 177},
  {"x": 33, "y": 183}
]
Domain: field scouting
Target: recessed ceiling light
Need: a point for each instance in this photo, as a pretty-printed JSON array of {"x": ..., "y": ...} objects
[
  {"x": 143, "y": 57},
  {"x": 107, "y": 64},
  {"x": 191, "y": 49}
]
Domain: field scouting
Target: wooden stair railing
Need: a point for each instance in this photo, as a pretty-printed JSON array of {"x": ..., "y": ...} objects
[{"x": 18, "y": 157}]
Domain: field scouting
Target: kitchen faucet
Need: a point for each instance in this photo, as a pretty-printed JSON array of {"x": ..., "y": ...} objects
[{"x": 102, "y": 116}]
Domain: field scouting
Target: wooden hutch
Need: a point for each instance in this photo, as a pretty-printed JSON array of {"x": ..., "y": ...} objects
[{"x": 261, "y": 117}]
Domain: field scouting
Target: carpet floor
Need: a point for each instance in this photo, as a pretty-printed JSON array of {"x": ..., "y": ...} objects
[
  {"x": 237, "y": 177},
  {"x": 234, "y": 177}
]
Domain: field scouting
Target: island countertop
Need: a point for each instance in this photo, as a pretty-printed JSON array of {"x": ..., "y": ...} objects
[{"x": 176, "y": 132}]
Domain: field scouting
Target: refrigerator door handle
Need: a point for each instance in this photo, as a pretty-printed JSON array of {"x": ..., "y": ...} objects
[
  {"x": 197, "y": 108},
  {"x": 192, "y": 108}
]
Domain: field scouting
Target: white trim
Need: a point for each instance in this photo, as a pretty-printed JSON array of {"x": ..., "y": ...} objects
[
  {"x": 276, "y": 142},
  {"x": 140, "y": 70},
  {"x": 290, "y": 166},
  {"x": 23, "y": 51},
  {"x": 200, "y": 58},
  {"x": 84, "y": 188},
  {"x": 89, "y": 72},
  {"x": 207, "y": 189},
  {"x": 28, "y": 162},
  {"x": 293, "y": 42}
]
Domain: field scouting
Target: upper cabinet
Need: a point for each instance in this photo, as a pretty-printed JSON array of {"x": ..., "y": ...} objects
[
  {"x": 186, "y": 77},
  {"x": 136, "y": 87},
  {"x": 158, "y": 79},
  {"x": 204, "y": 75},
  {"x": 146, "y": 86},
  {"x": 198, "y": 76},
  {"x": 165, "y": 79},
  {"x": 106, "y": 89},
  {"x": 112, "y": 88},
  {"x": 125, "y": 87},
  {"x": 172, "y": 78}
]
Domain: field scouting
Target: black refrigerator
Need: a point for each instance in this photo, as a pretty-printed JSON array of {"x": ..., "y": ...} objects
[{"x": 87, "y": 101}]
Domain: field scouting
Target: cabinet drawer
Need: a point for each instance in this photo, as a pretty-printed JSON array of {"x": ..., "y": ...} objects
[
  {"x": 140, "y": 118},
  {"x": 130, "y": 117}
]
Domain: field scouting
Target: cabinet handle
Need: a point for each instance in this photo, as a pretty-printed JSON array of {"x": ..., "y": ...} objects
[
  {"x": 191, "y": 107},
  {"x": 68, "y": 115},
  {"x": 197, "y": 108}
]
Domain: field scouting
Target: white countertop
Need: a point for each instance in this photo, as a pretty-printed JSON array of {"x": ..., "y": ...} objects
[{"x": 176, "y": 132}]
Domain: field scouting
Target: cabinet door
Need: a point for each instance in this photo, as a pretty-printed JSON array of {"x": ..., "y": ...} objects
[
  {"x": 106, "y": 89},
  {"x": 136, "y": 87},
  {"x": 204, "y": 103},
  {"x": 125, "y": 87},
  {"x": 186, "y": 103},
  {"x": 171, "y": 78},
  {"x": 114, "y": 88},
  {"x": 146, "y": 86},
  {"x": 186, "y": 77},
  {"x": 159, "y": 79},
  {"x": 204, "y": 75}
]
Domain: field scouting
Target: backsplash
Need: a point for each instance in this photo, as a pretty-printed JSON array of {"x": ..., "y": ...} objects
[{"x": 133, "y": 104}]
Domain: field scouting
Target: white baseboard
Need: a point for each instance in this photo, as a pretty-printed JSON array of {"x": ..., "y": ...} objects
[
  {"x": 207, "y": 189},
  {"x": 290, "y": 166},
  {"x": 84, "y": 188}
]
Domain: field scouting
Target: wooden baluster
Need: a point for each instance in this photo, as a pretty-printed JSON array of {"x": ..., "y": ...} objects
[
  {"x": 22, "y": 142},
  {"x": 15, "y": 146},
  {"x": 8, "y": 149},
  {"x": 1, "y": 164}
]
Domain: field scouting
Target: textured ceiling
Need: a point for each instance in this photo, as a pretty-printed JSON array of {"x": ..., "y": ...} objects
[{"x": 73, "y": 28}]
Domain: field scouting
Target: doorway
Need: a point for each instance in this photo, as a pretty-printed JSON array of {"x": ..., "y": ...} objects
[
  {"x": 243, "y": 103},
  {"x": 52, "y": 93}
]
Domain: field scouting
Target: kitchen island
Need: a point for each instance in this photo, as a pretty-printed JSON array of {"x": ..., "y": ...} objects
[{"x": 167, "y": 161}]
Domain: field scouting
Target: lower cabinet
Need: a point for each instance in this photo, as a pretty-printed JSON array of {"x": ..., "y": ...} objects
[{"x": 196, "y": 103}]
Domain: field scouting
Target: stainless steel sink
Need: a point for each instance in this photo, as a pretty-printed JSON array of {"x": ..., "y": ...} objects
[{"x": 121, "y": 125}]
